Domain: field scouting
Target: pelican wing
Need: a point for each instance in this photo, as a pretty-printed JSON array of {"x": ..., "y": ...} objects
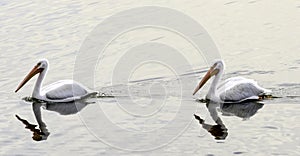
[
  {"x": 239, "y": 89},
  {"x": 64, "y": 89},
  {"x": 231, "y": 82}
]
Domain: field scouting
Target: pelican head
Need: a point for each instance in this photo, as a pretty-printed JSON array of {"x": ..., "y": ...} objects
[
  {"x": 215, "y": 70},
  {"x": 38, "y": 68}
]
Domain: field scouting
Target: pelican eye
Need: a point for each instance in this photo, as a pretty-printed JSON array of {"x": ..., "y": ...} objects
[{"x": 38, "y": 64}]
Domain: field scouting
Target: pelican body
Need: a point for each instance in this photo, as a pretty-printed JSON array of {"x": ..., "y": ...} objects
[
  {"x": 60, "y": 91},
  {"x": 232, "y": 90}
]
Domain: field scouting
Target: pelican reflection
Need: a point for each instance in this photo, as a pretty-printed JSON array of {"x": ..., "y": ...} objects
[
  {"x": 42, "y": 133},
  {"x": 243, "y": 110}
]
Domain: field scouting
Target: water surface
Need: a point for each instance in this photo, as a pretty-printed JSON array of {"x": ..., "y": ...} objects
[{"x": 256, "y": 39}]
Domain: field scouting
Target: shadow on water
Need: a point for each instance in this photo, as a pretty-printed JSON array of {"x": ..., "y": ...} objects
[
  {"x": 42, "y": 133},
  {"x": 243, "y": 110}
]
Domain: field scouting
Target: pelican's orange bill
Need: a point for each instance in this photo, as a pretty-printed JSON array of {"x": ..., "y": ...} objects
[
  {"x": 207, "y": 76},
  {"x": 203, "y": 81},
  {"x": 33, "y": 72}
]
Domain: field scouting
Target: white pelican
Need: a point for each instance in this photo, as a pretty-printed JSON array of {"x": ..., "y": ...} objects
[
  {"x": 232, "y": 90},
  {"x": 60, "y": 91}
]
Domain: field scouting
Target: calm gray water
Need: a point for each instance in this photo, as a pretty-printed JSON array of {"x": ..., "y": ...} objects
[{"x": 256, "y": 39}]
